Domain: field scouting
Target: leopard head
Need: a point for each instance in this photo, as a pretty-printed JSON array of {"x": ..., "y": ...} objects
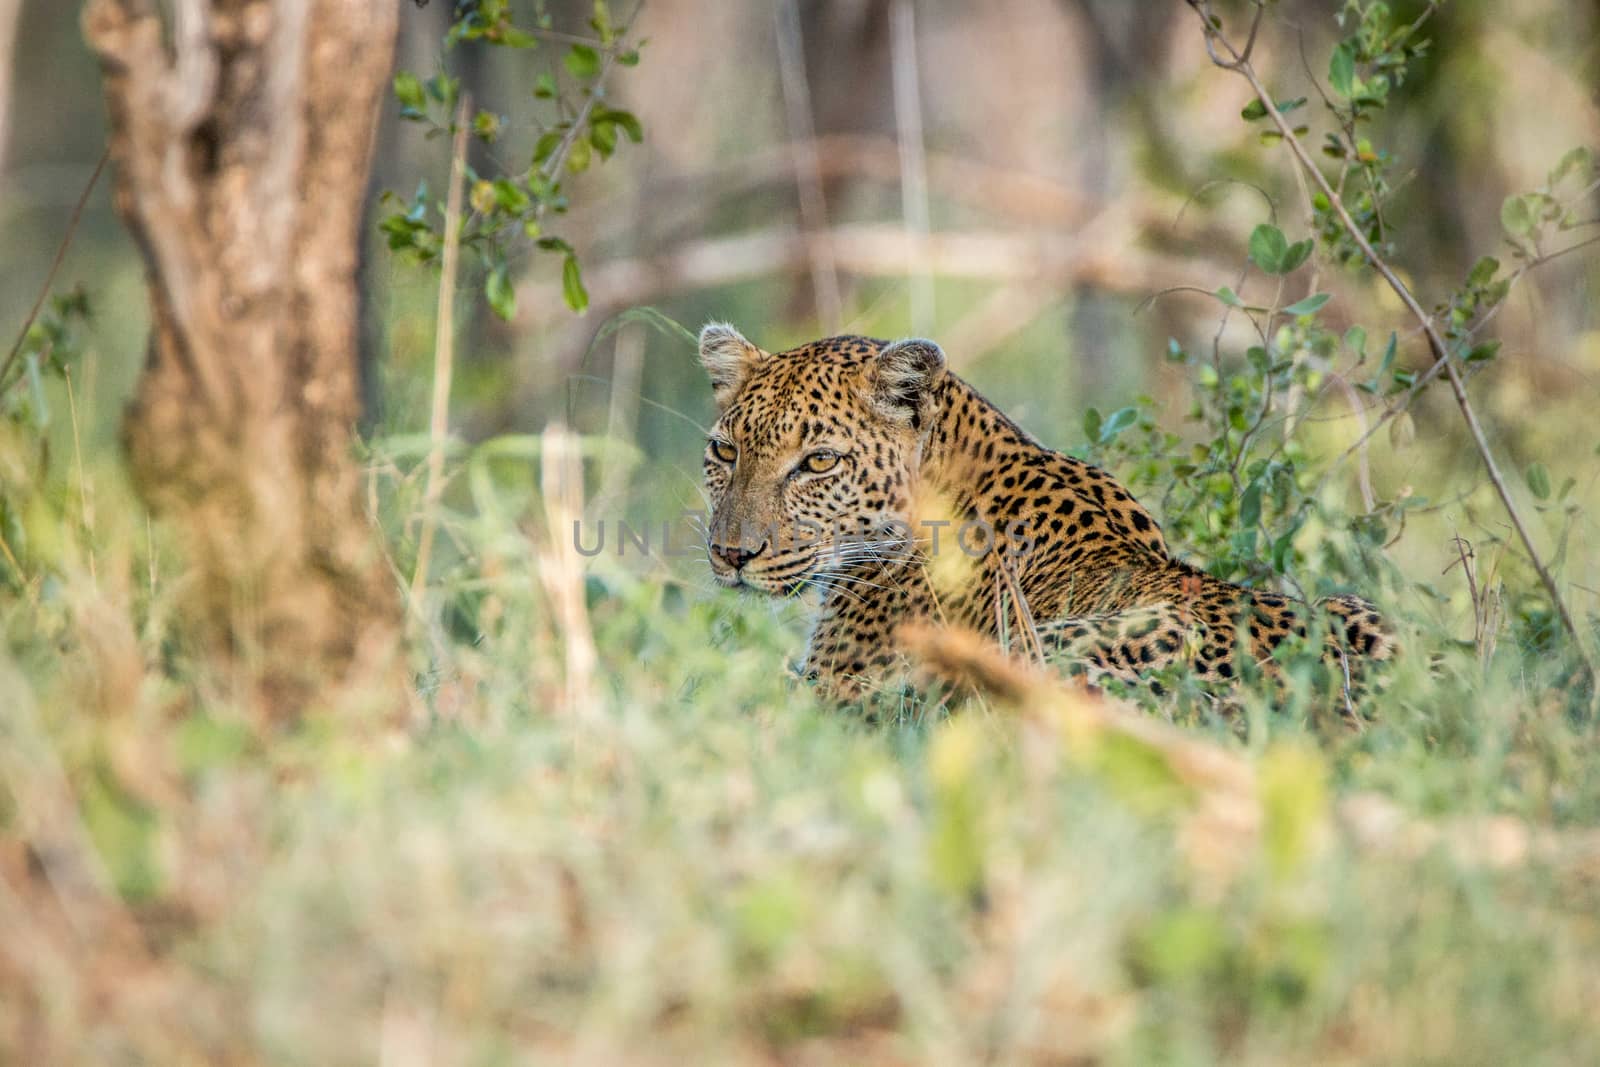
[{"x": 812, "y": 462}]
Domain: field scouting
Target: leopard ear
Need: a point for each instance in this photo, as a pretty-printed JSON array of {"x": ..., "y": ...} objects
[
  {"x": 904, "y": 375},
  {"x": 728, "y": 358}
]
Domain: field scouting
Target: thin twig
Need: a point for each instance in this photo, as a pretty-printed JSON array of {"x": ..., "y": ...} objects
[
  {"x": 1040, "y": 256},
  {"x": 558, "y": 158},
  {"x": 87, "y": 514},
  {"x": 55, "y": 265},
  {"x": 561, "y": 37},
  {"x": 552, "y": 166},
  {"x": 1240, "y": 64},
  {"x": 443, "y": 349}
]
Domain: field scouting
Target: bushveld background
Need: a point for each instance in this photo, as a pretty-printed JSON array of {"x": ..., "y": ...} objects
[{"x": 611, "y": 827}]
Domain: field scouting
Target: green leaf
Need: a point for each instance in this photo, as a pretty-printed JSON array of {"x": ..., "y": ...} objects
[
  {"x": 1579, "y": 160},
  {"x": 1355, "y": 339},
  {"x": 1308, "y": 306},
  {"x": 1229, "y": 297},
  {"x": 1092, "y": 424},
  {"x": 401, "y": 231},
  {"x": 544, "y": 86},
  {"x": 1281, "y": 548},
  {"x": 1538, "y": 480},
  {"x": 601, "y": 22},
  {"x": 1255, "y": 109},
  {"x": 1250, "y": 505},
  {"x": 578, "y": 156},
  {"x": 626, "y": 119},
  {"x": 444, "y": 89},
  {"x": 486, "y": 126},
  {"x": 1297, "y": 254},
  {"x": 408, "y": 90},
  {"x": 1120, "y": 420},
  {"x": 1389, "y": 351},
  {"x": 482, "y": 197},
  {"x": 1517, "y": 216},
  {"x": 1268, "y": 247},
  {"x": 1483, "y": 272},
  {"x": 1342, "y": 69},
  {"x": 501, "y": 294},
  {"x": 546, "y": 145},
  {"x": 509, "y": 197},
  {"x": 572, "y": 289},
  {"x": 1483, "y": 353},
  {"x": 582, "y": 62}
]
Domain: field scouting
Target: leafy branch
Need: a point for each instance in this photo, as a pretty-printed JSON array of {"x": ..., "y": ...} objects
[
  {"x": 1237, "y": 59},
  {"x": 517, "y": 204},
  {"x": 48, "y": 340}
]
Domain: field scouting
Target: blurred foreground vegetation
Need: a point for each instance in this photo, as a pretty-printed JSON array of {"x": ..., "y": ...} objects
[{"x": 611, "y": 828}]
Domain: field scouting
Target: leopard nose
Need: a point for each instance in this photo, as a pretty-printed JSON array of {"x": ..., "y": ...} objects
[{"x": 736, "y": 556}]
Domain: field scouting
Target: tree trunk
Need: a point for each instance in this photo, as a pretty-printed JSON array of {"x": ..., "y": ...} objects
[{"x": 242, "y": 135}]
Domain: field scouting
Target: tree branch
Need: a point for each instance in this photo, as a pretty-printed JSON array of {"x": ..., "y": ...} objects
[
  {"x": 55, "y": 266},
  {"x": 1097, "y": 256}
]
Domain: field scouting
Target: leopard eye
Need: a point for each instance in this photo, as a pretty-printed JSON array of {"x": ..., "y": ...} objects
[
  {"x": 724, "y": 451},
  {"x": 821, "y": 462}
]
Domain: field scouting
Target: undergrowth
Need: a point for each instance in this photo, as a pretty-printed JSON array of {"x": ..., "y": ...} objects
[{"x": 613, "y": 827}]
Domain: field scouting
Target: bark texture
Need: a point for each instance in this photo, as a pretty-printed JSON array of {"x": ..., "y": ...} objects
[{"x": 242, "y": 132}]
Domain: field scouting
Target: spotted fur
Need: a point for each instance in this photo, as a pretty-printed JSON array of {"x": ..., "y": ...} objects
[{"x": 842, "y": 464}]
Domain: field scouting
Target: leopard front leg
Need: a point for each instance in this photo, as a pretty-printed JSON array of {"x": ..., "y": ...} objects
[{"x": 852, "y": 652}]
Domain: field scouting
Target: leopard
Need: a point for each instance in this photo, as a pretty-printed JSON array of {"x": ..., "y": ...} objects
[{"x": 869, "y": 471}]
